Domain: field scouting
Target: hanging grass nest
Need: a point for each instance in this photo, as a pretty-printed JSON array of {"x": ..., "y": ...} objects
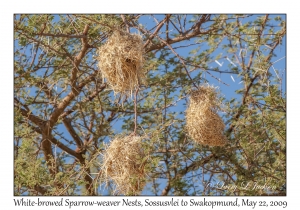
[
  {"x": 125, "y": 163},
  {"x": 203, "y": 124},
  {"x": 121, "y": 61}
]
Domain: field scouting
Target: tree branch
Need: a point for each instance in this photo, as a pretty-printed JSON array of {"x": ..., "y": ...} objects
[
  {"x": 67, "y": 100},
  {"x": 181, "y": 37},
  {"x": 40, "y": 123},
  {"x": 166, "y": 190},
  {"x": 238, "y": 114},
  {"x": 40, "y": 189},
  {"x": 90, "y": 98},
  {"x": 181, "y": 60},
  {"x": 41, "y": 43},
  {"x": 36, "y": 120},
  {"x": 196, "y": 164},
  {"x": 78, "y": 59},
  {"x": 72, "y": 132},
  {"x": 126, "y": 23},
  {"x": 62, "y": 35},
  {"x": 159, "y": 26}
]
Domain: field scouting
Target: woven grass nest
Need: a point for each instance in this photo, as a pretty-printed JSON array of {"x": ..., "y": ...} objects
[
  {"x": 203, "y": 124},
  {"x": 125, "y": 163},
  {"x": 121, "y": 61}
]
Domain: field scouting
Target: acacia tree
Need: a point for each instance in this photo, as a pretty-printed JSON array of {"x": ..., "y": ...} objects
[{"x": 65, "y": 111}]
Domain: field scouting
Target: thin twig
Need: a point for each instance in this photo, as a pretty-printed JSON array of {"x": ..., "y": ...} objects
[
  {"x": 181, "y": 60},
  {"x": 135, "y": 110},
  {"x": 159, "y": 26},
  {"x": 126, "y": 23},
  {"x": 63, "y": 35}
]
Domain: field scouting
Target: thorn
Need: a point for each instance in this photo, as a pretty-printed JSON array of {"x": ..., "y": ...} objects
[
  {"x": 220, "y": 64},
  {"x": 231, "y": 62},
  {"x": 232, "y": 78}
]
